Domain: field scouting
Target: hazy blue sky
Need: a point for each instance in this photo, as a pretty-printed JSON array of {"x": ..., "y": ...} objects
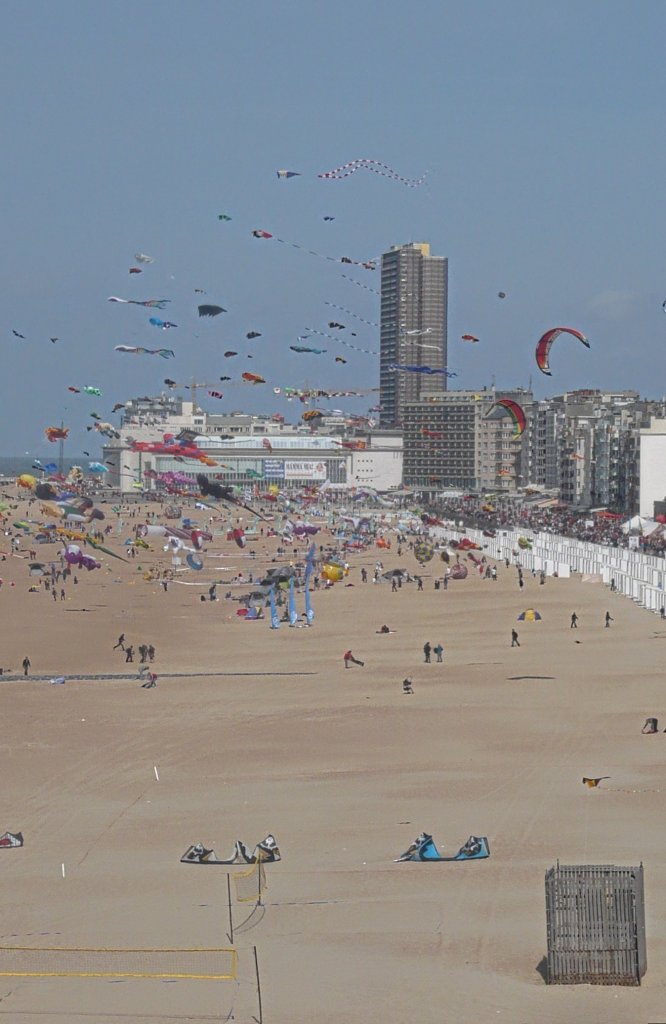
[{"x": 129, "y": 126}]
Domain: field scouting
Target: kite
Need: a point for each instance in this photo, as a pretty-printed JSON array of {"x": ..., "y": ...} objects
[
  {"x": 547, "y": 339},
  {"x": 17, "y": 335},
  {"x": 164, "y": 324},
  {"x": 76, "y": 391},
  {"x": 264, "y": 852},
  {"x": 339, "y": 359},
  {"x": 516, "y": 413},
  {"x": 216, "y": 394},
  {"x": 56, "y": 433},
  {"x": 424, "y": 849},
  {"x": 346, "y": 170},
  {"x": 469, "y": 337},
  {"x": 403, "y": 368},
  {"x": 11, "y": 840},
  {"x": 267, "y": 444},
  {"x": 288, "y": 174},
  {"x": 211, "y": 310},
  {"x": 311, "y": 415},
  {"x": 135, "y": 270},
  {"x": 423, "y": 551},
  {"x": 436, "y": 434},
  {"x": 225, "y": 378},
  {"x": 170, "y": 383},
  {"x": 360, "y": 284},
  {"x": 261, "y": 234},
  {"x": 336, "y": 326},
  {"x": 98, "y": 467},
  {"x": 223, "y": 216},
  {"x": 252, "y": 334},
  {"x": 141, "y": 257},
  {"x": 166, "y": 353},
  {"x": 228, "y": 354},
  {"x": 92, "y": 391},
  {"x": 329, "y": 218},
  {"x": 148, "y": 303},
  {"x": 501, "y": 295},
  {"x": 529, "y": 615},
  {"x": 304, "y": 348},
  {"x": 53, "y": 340},
  {"x": 252, "y": 378},
  {"x": 593, "y": 783}
]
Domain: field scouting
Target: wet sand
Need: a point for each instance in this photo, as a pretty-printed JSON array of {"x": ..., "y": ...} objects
[{"x": 345, "y": 770}]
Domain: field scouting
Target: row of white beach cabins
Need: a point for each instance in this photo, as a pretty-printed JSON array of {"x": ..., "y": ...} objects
[{"x": 636, "y": 575}]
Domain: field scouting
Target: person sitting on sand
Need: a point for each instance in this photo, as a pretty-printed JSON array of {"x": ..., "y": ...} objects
[
  {"x": 384, "y": 629},
  {"x": 407, "y": 686}
]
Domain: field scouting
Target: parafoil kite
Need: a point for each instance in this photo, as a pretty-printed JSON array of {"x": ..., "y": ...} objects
[
  {"x": 211, "y": 310},
  {"x": 229, "y": 353},
  {"x": 89, "y": 390},
  {"x": 288, "y": 174},
  {"x": 216, "y": 394},
  {"x": 76, "y": 391},
  {"x": 339, "y": 359},
  {"x": 470, "y": 337},
  {"x": 311, "y": 414},
  {"x": 257, "y": 233},
  {"x": 223, "y": 216},
  {"x": 56, "y": 433},
  {"x": 515, "y": 411},
  {"x": 501, "y": 295},
  {"x": 17, "y": 335},
  {"x": 164, "y": 324},
  {"x": 166, "y": 353},
  {"x": 346, "y": 170},
  {"x": 135, "y": 270},
  {"x": 252, "y": 378},
  {"x": 98, "y": 467},
  {"x": 252, "y": 334},
  {"x": 141, "y": 257},
  {"x": 27, "y": 481},
  {"x": 331, "y": 572},
  {"x": 304, "y": 348},
  {"x": 547, "y": 339}
]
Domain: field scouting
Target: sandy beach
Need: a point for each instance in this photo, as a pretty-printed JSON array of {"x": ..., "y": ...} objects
[{"x": 264, "y": 731}]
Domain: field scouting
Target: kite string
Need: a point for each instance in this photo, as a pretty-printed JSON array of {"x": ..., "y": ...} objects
[
  {"x": 343, "y": 309},
  {"x": 340, "y": 341}
]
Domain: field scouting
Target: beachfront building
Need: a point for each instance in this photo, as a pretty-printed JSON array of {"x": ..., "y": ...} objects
[
  {"x": 250, "y": 450},
  {"x": 413, "y": 328},
  {"x": 460, "y": 440},
  {"x": 653, "y": 468}
]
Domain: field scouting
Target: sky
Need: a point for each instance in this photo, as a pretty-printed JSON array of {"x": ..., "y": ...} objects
[{"x": 130, "y": 126}]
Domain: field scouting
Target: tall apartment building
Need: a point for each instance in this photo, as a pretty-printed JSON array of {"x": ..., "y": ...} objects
[{"x": 413, "y": 326}]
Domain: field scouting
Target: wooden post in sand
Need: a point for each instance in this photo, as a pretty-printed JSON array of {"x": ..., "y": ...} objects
[
  {"x": 231, "y": 915},
  {"x": 260, "y": 1018}
]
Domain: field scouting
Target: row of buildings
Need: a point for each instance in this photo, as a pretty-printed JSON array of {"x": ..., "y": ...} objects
[{"x": 588, "y": 448}]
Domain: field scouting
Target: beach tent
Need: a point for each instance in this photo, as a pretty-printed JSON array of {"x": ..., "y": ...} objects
[{"x": 529, "y": 615}]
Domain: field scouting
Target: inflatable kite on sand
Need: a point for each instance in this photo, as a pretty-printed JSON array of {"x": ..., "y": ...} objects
[
  {"x": 424, "y": 849},
  {"x": 265, "y": 852},
  {"x": 11, "y": 840}
]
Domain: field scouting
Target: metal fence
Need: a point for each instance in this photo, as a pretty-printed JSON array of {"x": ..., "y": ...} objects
[{"x": 595, "y": 922}]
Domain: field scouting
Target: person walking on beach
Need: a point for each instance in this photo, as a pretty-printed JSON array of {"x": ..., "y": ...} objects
[
  {"x": 364, "y": 575},
  {"x": 121, "y": 642},
  {"x": 143, "y": 653},
  {"x": 26, "y": 665},
  {"x": 574, "y": 621},
  {"x": 129, "y": 654},
  {"x": 349, "y": 657},
  {"x": 609, "y": 619},
  {"x": 151, "y": 652},
  {"x": 439, "y": 651},
  {"x": 426, "y": 652},
  {"x": 419, "y": 582},
  {"x": 394, "y": 586},
  {"x": 514, "y": 638}
]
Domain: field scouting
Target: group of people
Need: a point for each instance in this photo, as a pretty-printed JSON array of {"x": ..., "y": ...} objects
[{"x": 146, "y": 651}]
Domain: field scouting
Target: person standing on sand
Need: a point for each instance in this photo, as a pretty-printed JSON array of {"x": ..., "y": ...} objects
[
  {"x": 608, "y": 620},
  {"x": 26, "y": 665},
  {"x": 426, "y": 652},
  {"x": 439, "y": 651},
  {"x": 514, "y": 638},
  {"x": 129, "y": 654},
  {"x": 574, "y": 621}
]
